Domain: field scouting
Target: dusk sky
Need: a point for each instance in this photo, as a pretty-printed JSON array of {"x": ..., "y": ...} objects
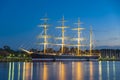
[{"x": 19, "y": 19}]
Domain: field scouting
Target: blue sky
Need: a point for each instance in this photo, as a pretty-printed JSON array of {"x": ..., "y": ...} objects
[{"x": 19, "y": 19}]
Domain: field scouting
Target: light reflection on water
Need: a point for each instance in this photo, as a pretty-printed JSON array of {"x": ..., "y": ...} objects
[
  {"x": 107, "y": 70},
  {"x": 91, "y": 70},
  {"x": 62, "y": 71},
  {"x": 100, "y": 71},
  {"x": 114, "y": 71}
]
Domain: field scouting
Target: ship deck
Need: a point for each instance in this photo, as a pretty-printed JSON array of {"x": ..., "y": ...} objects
[{"x": 41, "y": 57}]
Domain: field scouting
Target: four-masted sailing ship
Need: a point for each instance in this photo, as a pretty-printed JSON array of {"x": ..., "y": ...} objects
[{"x": 61, "y": 55}]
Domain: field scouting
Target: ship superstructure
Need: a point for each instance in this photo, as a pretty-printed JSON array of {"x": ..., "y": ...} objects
[
  {"x": 79, "y": 38},
  {"x": 91, "y": 41},
  {"x": 63, "y": 28},
  {"x": 45, "y": 36},
  {"x": 63, "y": 37},
  {"x": 78, "y": 54}
]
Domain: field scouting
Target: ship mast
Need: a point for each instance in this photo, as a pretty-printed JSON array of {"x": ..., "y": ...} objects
[
  {"x": 79, "y": 39},
  {"x": 91, "y": 40},
  {"x": 44, "y": 36},
  {"x": 62, "y": 27}
]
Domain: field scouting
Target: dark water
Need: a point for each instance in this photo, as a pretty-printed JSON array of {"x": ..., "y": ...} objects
[{"x": 108, "y": 70}]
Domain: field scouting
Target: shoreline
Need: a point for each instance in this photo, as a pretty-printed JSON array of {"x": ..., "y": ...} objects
[
  {"x": 29, "y": 59},
  {"x": 16, "y": 59},
  {"x": 108, "y": 59}
]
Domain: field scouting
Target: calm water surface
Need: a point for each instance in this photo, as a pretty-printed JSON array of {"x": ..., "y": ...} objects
[{"x": 107, "y": 70}]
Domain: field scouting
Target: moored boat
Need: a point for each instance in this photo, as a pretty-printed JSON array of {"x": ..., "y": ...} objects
[{"x": 61, "y": 56}]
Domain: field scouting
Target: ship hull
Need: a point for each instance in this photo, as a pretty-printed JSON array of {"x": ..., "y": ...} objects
[{"x": 42, "y": 57}]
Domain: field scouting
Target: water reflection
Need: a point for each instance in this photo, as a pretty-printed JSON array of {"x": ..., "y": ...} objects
[
  {"x": 63, "y": 71},
  {"x": 24, "y": 71},
  {"x": 11, "y": 71},
  {"x": 107, "y": 68},
  {"x": 91, "y": 70},
  {"x": 45, "y": 72},
  {"x": 114, "y": 71},
  {"x": 27, "y": 71},
  {"x": 23, "y": 78},
  {"x": 18, "y": 70},
  {"x": 100, "y": 70},
  {"x": 73, "y": 74},
  {"x": 78, "y": 71},
  {"x": 108, "y": 71},
  {"x": 9, "y": 75}
]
